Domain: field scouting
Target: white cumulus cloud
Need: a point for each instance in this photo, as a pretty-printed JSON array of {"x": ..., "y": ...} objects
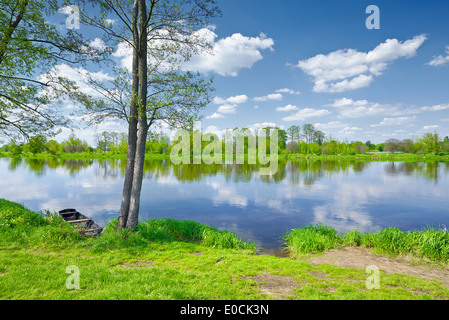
[
  {"x": 216, "y": 115},
  {"x": 227, "y": 108},
  {"x": 80, "y": 76},
  {"x": 273, "y": 96},
  {"x": 440, "y": 60},
  {"x": 306, "y": 113},
  {"x": 234, "y": 100},
  {"x": 439, "y": 107},
  {"x": 431, "y": 127},
  {"x": 238, "y": 99},
  {"x": 230, "y": 55},
  {"x": 257, "y": 126},
  {"x": 227, "y": 58},
  {"x": 349, "y": 69},
  {"x": 228, "y": 105},
  {"x": 349, "y": 108},
  {"x": 289, "y": 91},
  {"x": 399, "y": 121},
  {"x": 287, "y": 108}
]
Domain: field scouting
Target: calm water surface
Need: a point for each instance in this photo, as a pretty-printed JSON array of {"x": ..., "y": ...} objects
[{"x": 344, "y": 195}]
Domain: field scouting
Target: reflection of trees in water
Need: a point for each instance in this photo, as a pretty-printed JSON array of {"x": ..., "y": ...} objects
[
  {"x": 14, "y": 163},
  {"x": 74, "y": 166},
  {"x": 195, "y": 173},
  {"x": 111, "y": 168},
  {"x": 231, "y": 172},
  {"x": 429, "y": 170},
  {"x": 359, "y": 166},
  {"x": 295, "y": 172},
  {"x": 40, "y": 166},
  {"x": 292, "y": 171},
  {"x": 156, "y": 169},
  {"x": 37, "y": 166},
  {"x": 310, "y": 171},
  {"x": 306, "y": 171}
]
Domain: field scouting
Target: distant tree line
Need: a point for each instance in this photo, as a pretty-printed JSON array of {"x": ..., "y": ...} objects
[
  {"x": 308, "y": 140},
  {"x": 105, "y": 142},
  {"x": 304, "y": 139}
]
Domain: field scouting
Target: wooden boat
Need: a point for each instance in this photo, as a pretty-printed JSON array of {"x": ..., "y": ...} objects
[{"x": 84, "y": 225}]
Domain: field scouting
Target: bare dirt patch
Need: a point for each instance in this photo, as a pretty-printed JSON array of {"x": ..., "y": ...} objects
[
  {"x": 278, "y": 287},
  {"x": 361, "y": 258}
]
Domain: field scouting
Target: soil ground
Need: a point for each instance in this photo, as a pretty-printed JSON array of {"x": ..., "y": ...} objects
[{"x": 361, "y": 258}]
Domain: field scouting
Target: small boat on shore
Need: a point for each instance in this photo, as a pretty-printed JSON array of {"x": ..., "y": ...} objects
[{"x": 84, "y": 224}]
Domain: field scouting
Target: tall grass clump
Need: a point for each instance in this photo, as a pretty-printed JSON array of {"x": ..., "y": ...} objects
[
  {"x": 166, "y": 231},
  {"x": 352, "y": 238},
  {"x": 312, "y": 239},
  {"x": 21, "y": 226},
  {"x": 391, "y": 241},
  {"x": 430, "y": 243}
]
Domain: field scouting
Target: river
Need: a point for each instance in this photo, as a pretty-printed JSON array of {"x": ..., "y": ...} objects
[{"x": 345, "y": 195}]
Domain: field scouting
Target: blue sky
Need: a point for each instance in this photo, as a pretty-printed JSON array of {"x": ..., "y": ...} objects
[{"x": 293, "y": 62}]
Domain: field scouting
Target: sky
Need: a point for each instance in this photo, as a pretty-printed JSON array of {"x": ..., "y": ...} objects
[{"x": 294, "y": 62}]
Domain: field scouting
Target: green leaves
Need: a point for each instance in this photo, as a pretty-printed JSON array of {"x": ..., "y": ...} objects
[
  {"x": 432, "y": 141},
  {"x": 27, "y": 43}
]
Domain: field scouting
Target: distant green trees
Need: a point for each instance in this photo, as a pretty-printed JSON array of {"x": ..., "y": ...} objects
[
  {"x": 308, "y": 140},
  {"x": 52, "y": 147},
  {"x": 445, "y": 145},
  {"x": 291, "y": 141},
  {"x": 157, "y": 143},
  {"x": 335, "y": 147},
  {"x": 428, "y": 143},
  {"x": 432, "y": 142},
  {"x": 36, "y": 144},
  {"x": 74, "y": 145},
  {"x": 105, "y": 142}
]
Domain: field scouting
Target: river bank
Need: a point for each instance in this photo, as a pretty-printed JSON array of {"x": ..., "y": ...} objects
[
  {"x": 402, "y": 157},
  {"x": 174, "y": 260}
]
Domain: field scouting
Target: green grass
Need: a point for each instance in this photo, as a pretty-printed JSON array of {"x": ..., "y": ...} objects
[
  {"x": 22, "y": 227},
  {"x": 168, "y": 231},
  {"x": 179, "y": 260},
  {"x": 430, "y": 243},
  {"x": 312, "y": 239}
]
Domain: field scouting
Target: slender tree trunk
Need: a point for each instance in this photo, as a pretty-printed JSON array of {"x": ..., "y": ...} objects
[
  {"x": 132, "y": 127},
  {"x": 133, "y": 217},
  {"x": 130, "y": 160}
]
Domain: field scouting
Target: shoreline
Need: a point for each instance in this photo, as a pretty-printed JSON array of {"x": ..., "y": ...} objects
[
  {"x": 166, "y": 259},
  {"x": 382, "y": 157}
]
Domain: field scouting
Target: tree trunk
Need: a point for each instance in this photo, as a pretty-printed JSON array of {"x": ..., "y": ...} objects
[
  {"x": 133, "y": 217},
  {"x": 130, "y": 160},
  {"x": 134, "y": 205},
  {"x": 132, "y": 127}
]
